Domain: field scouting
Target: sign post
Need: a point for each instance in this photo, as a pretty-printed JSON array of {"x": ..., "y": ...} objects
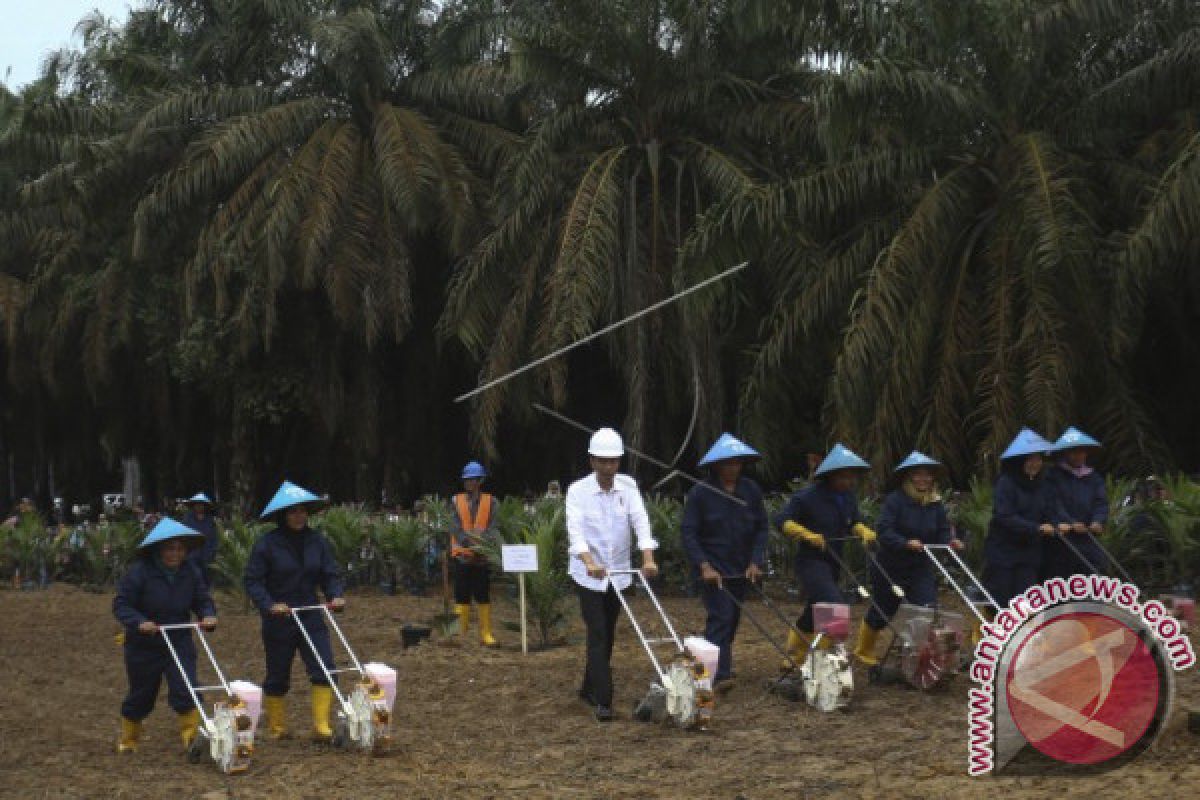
[{"x": 520, "y": 558}]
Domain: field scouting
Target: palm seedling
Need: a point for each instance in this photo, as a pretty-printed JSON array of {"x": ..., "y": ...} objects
[
  {"x": 233, "y": 553},
  {"x": 545, "y": 528}
]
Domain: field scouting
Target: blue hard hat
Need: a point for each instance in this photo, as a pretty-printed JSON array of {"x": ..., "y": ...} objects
[
  {"x": 1073, "y": 437},
  {"x": 200, "y": 497},
  {"x": 1026, "y": 443},
  {"x": 473, "y": 469},
  {"x": 840, "y": 457},
  {"x": 917, "y": 459},
  {"x": 727, "y": 447},
  {"x": 289, "y": 495},
  {"x": 168, "y": 528}
]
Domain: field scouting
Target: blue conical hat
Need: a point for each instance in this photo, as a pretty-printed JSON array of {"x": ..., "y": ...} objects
[
  {"x": 917, "y": 459},
  {"x": 289, "y": 495},
  {"x": 727, "y": 447},
  {"x": 1026, "y": 443},
  {"x": 840, "y": 457},
  {"x": 168, "y": 528},
  {"x": 1073, "y": 437},
  {"x": 200, "y": 497}
]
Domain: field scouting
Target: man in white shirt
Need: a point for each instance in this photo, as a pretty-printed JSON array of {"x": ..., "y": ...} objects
[{"x": 602, "y": 509}]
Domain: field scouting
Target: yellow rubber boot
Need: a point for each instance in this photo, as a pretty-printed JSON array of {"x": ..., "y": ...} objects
[
  {"x": 322, "y": 702},
  {"x": 797, "y": 648},
  {"x": 464, "y": 616},
  {"x": 485, "y": 625},
  {"x": 189, "y": 721},
  {"x": 130, "y": 733},
  {"x": 976, "y": 631},
  {"x": 864, "y": 649},
  {"x": 276, "y": 717}
]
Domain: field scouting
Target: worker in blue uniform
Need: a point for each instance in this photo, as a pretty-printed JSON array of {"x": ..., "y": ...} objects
[
  {"x": 199, "y": 517},
  {"x": 1081, "y": 504},
  {"x": 821, "y": 517},
  {"x": 161, "y": 587},
  {"x": 1023, "y": 517},
  {"x": 286, "y": 568},
  {"x": 724, "y": 534},
  {"x": 912, "y": 516}
]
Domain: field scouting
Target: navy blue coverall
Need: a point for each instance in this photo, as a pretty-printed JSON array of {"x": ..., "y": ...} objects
[
  {"x": 730, "y": 536},
  {"x": 1077, "y": 499},
  {"x": 147, "y": 592},
  {"x": 205, "y": 555},
  {"x": 1013, "y": 550},
  {"x": 833, "y": 515},
  {"x": 288, "y": 567},
  {"x": 900, "y": 519}
]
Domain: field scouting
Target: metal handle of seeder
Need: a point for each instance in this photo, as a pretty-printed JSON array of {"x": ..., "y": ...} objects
[
  {"x": 932, "y": 549},
  {"x": 862, "y": 589},
  {"x": 1078, "y": 553},
  {"x": 196, "y": 691},
  {"x": 674, "y": 639},
  {"x": 741, "y": 605},
  {"x": 323, "y": 608},
  {"x": 1065, "y": 537}
]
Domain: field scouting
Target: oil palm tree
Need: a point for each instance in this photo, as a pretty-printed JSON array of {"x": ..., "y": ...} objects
[
  {"x": 987, "y": 212},
  {"x": 639, "y": 121}
]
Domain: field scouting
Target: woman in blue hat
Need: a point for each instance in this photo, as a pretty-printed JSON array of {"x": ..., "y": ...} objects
[
  {"x": 821, "y": 517},
  {"x": 1023, "y": 515},
  {"x": 199, "y": 518},
  {"x": 1081, "y": 503},
  {"x": 913, "y": 515},
  {"x": 474, "y": 523},
  {"x": 725, "y": 536},
  {"x": 161, "y": 587},
  {"x": 286, "y": 568}
]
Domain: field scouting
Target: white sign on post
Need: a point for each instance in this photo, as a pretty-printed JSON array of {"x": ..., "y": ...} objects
[{"x": 520, "y": 558}]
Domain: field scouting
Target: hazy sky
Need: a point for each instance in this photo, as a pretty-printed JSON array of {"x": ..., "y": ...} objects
[{"x": 31, "y": 28}]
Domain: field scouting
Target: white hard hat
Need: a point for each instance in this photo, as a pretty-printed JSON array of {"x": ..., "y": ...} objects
[{"x": 606, "y": 443}]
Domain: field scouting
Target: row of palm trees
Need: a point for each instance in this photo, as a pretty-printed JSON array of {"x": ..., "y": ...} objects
[{"x": 244, "y": 237}]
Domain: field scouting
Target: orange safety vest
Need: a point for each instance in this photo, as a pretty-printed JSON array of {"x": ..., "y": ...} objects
[{"x": 483, "y": 515}]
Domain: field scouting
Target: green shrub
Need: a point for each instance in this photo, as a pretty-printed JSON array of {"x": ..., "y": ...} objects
[
  {"x": 666, "y": 519},
  {"x": 233, "y": 553},
  {"x": 402, "y": 545}
]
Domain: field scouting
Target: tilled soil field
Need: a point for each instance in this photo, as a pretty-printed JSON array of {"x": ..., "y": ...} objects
[{"x": 479, "y": 723}]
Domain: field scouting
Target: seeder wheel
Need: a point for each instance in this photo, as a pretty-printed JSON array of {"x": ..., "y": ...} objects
[
  {"x": 341, "y": 734},
  {"x": 828, "y": 680},
  {"x": 681, "y": 694},
  {"x": 197, "y": 750}
]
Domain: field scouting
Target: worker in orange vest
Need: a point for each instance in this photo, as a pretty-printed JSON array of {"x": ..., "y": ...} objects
[{"x": 474, "y": 521}]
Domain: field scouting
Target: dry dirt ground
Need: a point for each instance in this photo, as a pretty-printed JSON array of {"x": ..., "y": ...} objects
[{"x": 476, "y": 723}]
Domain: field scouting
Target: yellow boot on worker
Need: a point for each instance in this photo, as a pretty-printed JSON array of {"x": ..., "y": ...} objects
[
  {"x": 797, "y": 650},
  {"x": 864, "y": 649},
  {"x": 322, "y": 702},
  {"x": 189, "y": 722},
  {"x": 131, "y": 732},
  {"x": 976, "y": 632},
  {"x": 276, "y": 713},
  {"x": 485, "y": 625},
  {"x": 463, "y": 610}
]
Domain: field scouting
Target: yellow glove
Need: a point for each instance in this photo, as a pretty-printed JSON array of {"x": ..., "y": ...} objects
[
  {"x": 794, "y": 530},
  {"x": 867, "y": 535}
]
